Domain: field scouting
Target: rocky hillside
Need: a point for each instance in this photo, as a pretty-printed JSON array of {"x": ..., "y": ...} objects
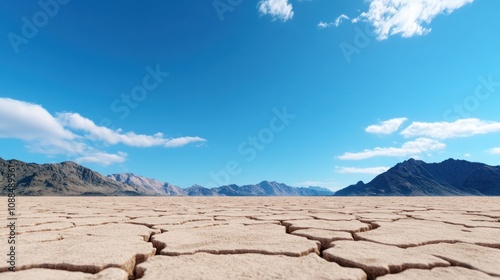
[{"x": 66, "y": 178}]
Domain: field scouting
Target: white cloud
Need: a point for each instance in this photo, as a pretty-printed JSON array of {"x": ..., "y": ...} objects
[
  {"x": 406, "y": 17},
  {"x": 113, "y": 137},
  {"x": 335, "y": 23},
  {"x": 386, "y": 127},
  {"x": 71, "y": 134},
  {"x": 444, "y": 130},
  {"x": 468, "y": 155},
  {"x": 277, "y": 9},
  {"x": 178, "y": 142},
  {"x": 339, "y": 19},
  {"x": 368, "y": 170},
  {"x": 28, "y": 121},
  {"x": 323, "y": 24},
  {"x": 415, "y": 147},
  {"x": 495, "y": 151}
]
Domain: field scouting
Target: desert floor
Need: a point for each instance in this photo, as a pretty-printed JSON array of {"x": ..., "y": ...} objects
[{"x": 254, "y": 238}]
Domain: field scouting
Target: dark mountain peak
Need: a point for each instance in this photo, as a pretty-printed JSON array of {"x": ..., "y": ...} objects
[
  {"x": 412, "y": 162},
  {"x": 452, "y": 161},
  {"x": 69, "y": 163},
  {"x": 415, "y": 177}
]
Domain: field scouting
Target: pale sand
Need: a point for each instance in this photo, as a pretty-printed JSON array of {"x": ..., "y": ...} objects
[{"x": 254, "y": 238}]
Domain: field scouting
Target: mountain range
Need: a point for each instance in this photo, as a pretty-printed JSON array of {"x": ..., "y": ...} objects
[
  {"x": 264, "y": 188},
  {"x": 409, "y": 178},
  {"x": 69, "y": 178}
]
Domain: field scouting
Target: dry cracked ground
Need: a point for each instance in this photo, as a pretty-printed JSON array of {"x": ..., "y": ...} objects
[{"x": 255, "y": 238}]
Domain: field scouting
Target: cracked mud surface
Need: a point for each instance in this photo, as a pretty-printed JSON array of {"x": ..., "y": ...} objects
[{"x": 255, "y": 238}]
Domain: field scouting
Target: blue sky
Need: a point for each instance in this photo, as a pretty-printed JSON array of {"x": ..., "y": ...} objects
[{"x": 213, "y": 92}]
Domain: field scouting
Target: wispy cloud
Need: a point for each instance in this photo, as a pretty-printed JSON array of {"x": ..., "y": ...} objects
[
  {"x": 495, "y": 151},
  {"x": 77, "y": 122},
  {"x": 335, "y": 23},
  {"x": 367, "y": 170},
  {"x": 323, "y": 24},
  {"x": 418, "y": 146},
  {"x": 277, "y": 9},
  {"x": 182, "y": 141},
  {"x": 103, "y": 158},
  {"x": 339, "y": 19},
  {"x": 407, "y": 18},
  {"x": 386, "y": 127},
  {"x": 72, "y": 134},
  {"x": 456, "y": 129}
]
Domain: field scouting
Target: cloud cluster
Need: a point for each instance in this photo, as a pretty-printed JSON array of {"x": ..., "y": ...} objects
[
  {"x": 277, "y": 9},
  {"x": 72, "y": 134},
  {"x": 407, "y": 18},
  {"x": 429, "y": 136}
]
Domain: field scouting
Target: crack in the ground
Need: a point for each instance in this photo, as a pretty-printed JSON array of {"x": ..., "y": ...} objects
[
  {"x": 454, "y": 262},
  {"x": 405, "y": 246},
  {"x": 373, "y": 272}
]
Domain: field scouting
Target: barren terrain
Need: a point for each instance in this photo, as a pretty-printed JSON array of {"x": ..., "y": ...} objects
[{"x": 254, "y": 238}]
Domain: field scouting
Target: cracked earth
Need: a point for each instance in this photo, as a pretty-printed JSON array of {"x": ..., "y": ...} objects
[{"x": 255, "y": 238}]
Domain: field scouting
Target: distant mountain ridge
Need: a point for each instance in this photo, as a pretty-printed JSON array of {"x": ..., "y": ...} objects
[
  {"x": 267, "y": 188},
  {"x": 264, "y": 188},
  {"x": 70, "y": 178},
  {"x": 416, "y": 178}
]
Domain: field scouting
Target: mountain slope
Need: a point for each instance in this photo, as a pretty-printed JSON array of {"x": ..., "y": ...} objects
[
  {"x": 415, "y": 177},
  {"x": 197, "y": 190},
  {"x": 66, "y": 178}
]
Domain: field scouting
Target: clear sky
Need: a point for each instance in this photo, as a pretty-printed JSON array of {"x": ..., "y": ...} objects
[{"x": 314, "y": 92}]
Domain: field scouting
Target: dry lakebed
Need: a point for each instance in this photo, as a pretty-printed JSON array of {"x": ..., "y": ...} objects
[{"x": 254, "y": 238}]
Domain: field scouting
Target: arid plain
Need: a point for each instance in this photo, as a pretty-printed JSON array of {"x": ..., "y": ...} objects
[{"x": 255, "y": 238}]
